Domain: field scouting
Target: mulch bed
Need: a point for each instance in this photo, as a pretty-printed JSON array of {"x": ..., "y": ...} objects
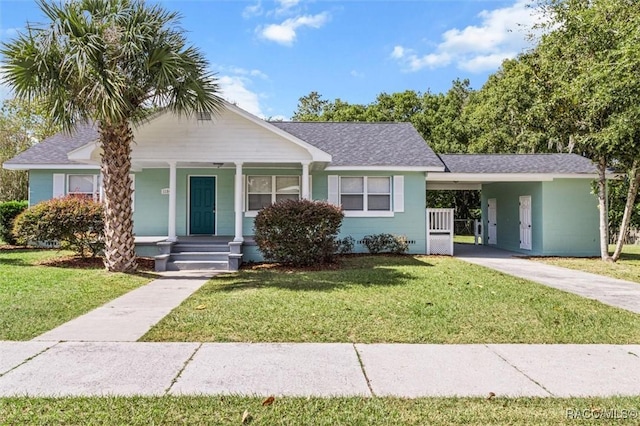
[{"x": 76, "y": 262}]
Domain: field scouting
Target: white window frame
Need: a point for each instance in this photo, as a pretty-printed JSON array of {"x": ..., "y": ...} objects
[
  {"x": 95, "y": 193},
  {"x": 365, "y": 212},
  {"x": 274, "y": 192}
]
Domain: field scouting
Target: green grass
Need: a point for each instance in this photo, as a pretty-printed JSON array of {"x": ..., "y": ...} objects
[
  {"x": 464, "y": 239},
  {"x": 35, "y": 298},
  {"x": 229, "y": 410},
  {"x": 391, "y": 299},
  {"x": 626, "y": 268}
]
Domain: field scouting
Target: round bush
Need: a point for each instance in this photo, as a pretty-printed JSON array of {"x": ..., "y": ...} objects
[
  {"x": 76, "y": 223},
  {"x": 298, "y": 232},
  {"x": 9, "y": 210}
]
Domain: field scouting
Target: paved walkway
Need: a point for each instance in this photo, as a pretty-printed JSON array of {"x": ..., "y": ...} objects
[
  {"x": 130, "y": 316},
  {"x": 611, "y": 291},
  {"x": 321, "y": 369},
  {"x": 96, "y": 354}
]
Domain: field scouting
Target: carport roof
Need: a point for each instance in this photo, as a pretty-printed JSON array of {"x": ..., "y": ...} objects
[{"x": 518, "y": 163}]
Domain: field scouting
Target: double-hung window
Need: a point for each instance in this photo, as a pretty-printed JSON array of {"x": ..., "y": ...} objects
[
  {"x": 365, "y": 193},
  {"x": 83, "y": 186},
  {"x": 265, "y": 190}
]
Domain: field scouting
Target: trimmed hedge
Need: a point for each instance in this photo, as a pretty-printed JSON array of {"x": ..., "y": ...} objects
[
  {"x": 298, "y": 232},
  {"x": 9, "y": 210},
  {"x": 76, "y": 223},
  {"x": 386, "y": 243}
]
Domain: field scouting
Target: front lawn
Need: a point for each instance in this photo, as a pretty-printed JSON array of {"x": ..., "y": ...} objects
[
  {"x": 626, "y": 268},
  {"x": 413, "y": 299},
  {"x": 36, "y": 298},
  {"x": 229, "y": 410}
]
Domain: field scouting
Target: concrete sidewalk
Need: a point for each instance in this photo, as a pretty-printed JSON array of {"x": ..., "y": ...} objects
[
  {"x": 319, "y": 369},
  {"x": 130, "y": 316},
  {"x": 611, "y": 291}
]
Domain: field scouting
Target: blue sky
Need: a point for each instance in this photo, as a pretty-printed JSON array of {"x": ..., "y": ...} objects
[{"x": 270, "y": 53}]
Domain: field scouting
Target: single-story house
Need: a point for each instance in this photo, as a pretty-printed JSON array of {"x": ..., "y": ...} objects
[{"x": 199, "y": 182}]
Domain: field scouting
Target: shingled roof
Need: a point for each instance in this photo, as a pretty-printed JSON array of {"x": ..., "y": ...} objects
[
  {"x": 53, "y": 150},
  {"x": 518, "y": 163},
  {"x": 366, "y": 144}
]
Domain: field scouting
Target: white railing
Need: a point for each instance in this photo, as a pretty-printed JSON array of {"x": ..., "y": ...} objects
[{"x": 440, "y": 231}]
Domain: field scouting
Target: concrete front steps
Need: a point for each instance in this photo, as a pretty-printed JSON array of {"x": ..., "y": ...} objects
[
  {"x": 194, "y": 255},
  {"x": 199, "y": 254}
]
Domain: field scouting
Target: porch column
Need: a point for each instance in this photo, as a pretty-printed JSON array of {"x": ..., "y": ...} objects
[
  {"x": 172, "y": 201},
  {"x": 305, "y": 180},
  {"x": 238, "y": 196}
]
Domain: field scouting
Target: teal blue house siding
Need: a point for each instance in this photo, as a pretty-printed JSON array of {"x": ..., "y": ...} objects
[
  {"x": 563, "y": 211},
  {"x": 41, "y": 182},
  {"x": 410, "y": 223},
  {"x": 571, "y": 225},
  {"x": 507, "y": 195}
]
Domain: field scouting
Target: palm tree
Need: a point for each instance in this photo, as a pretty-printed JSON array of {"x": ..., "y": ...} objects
[{"x": 111, "y": 62}]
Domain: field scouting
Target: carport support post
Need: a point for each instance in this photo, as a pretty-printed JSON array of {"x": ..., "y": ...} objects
[
  {"x": 238, "y": 195},
  {"x": 172, "y": 202}
]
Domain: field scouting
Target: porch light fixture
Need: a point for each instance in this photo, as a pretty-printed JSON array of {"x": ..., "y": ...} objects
[{"x": 217, "y": 165}]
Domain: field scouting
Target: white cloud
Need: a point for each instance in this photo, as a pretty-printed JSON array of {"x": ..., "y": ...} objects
[
  {"x": 286, "y": 5},
  {"x": 356, "y": 74},
  {"x": 285, "y": 33},
  {"x": 252, "y": 10},
  {"x": 235, "y": 91},
  {"x": 501, "y": 34}
]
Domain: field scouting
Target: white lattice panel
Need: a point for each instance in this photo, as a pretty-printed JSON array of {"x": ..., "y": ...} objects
[{"x": 440, "y": 244}]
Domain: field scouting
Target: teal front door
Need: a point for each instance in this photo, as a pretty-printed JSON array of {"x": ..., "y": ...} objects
[{"x": 202, "y": 203}]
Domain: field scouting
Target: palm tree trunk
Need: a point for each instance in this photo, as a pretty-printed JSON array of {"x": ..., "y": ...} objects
[
  {"x": 602, "y": 206},
  {"x": 116, "y": 143},
  {"x": 634, "y": 182}
]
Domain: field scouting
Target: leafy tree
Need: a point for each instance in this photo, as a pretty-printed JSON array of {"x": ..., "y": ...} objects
[
  {"x": 21, "y": 125},
  {"x": 110, "y": 61},
  {"x": 503, "y": 116},
  {"x": 310, "y": 108},
  {"x": 587, "y": 70}
]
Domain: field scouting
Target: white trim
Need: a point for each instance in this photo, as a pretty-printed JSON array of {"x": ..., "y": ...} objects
[
  {"x": 274, "y": 191},
  {"x": 252, "y": 213},
  {"x": 238, "y": 195},
  {"x": 398, "y": 194},
  {"x": 385, "y": 168},
  {"x": 316, "y": 153},
  {"x": 454, "y": 186},
  {"x": 83, "y": 153},
  {"x": 95, "y": 191},
  {"x": 172, "y": 202},
  {"x": 504, "y": 177},
  {"x": 365, "y": 194},
  {"x": 333, "y": 189},
  {"x": 370, "y": 213},
  {"x": 215, "y": 203},
  {"x": 59, "y": 188},
  {"x": 50, "y": 166}
]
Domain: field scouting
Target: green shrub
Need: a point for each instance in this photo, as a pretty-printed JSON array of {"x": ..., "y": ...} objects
[
  {"x": 9, "y": 210},
  {"x": 298, "y": 232},
  {"x": 386, "y": 243},
  {"x": 345, "y": 245},
  {"x": 76, "y": 223}
]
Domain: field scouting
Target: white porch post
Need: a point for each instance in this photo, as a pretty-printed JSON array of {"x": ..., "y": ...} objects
[
  {"x": 305, "y": 180},
  {"x": 238, "y": 196},
  {"x": 172, "y": 201}
]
